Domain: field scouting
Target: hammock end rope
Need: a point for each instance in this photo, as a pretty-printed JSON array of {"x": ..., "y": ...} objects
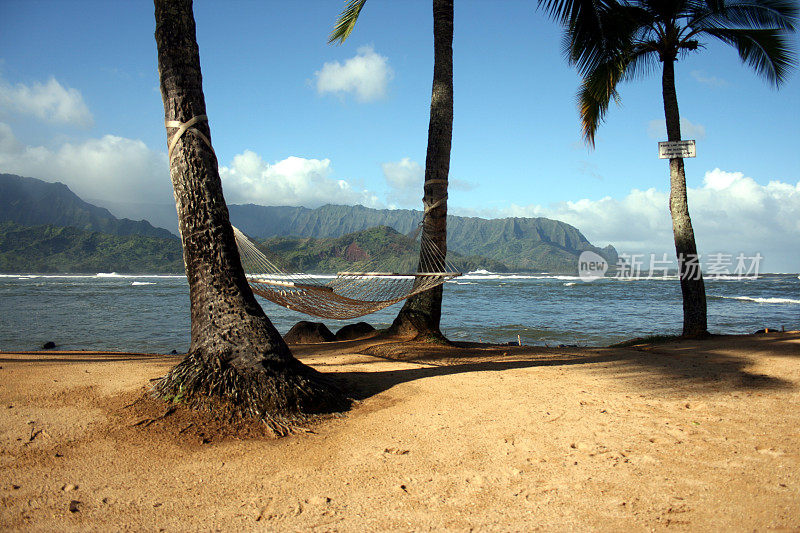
[{"x": 431, "y": 207}]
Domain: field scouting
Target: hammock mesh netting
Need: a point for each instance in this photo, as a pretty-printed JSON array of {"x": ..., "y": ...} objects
[{"x": 348, "y": 294}]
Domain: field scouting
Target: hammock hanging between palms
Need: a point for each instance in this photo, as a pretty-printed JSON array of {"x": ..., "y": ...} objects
[{"x": 349, "y": 294}]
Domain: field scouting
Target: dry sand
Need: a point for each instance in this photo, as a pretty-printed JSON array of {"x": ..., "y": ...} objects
[{"x": 690, "y": 435}]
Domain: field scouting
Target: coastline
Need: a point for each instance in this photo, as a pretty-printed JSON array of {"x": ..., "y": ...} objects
[{"x": 151, "y": 314}]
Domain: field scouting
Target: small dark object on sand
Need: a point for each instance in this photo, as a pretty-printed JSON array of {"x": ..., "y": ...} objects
[
  {"x": 354, "y": 331},
  {"x": 305, "y": 332},
  {"x": 73, "y": 506}
]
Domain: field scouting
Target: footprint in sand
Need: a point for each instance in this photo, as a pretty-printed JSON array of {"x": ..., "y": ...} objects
[
  {"x": 395, "y": 451},
  {"x": 769, "y": 451}
]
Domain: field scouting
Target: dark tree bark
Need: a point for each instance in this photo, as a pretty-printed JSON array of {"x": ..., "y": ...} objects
[
  {"x": 237, "y": 359},
  {"x": 691, "y": 277},
  {"x": 421, "y": 314}
]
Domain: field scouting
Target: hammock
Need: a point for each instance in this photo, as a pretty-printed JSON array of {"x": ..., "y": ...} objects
[{"x": 349, "y": 294}]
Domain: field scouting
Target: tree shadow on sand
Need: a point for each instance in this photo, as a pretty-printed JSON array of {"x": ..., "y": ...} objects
[
  {"x": 718, "y": 364},
  {"x": 715, "y": 365}
]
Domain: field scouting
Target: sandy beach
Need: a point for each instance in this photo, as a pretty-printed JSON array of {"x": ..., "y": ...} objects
[{"x": 686, "y": 435}]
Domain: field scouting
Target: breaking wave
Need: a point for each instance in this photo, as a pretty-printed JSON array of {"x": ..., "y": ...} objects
[{"x": 760, "y": 300}]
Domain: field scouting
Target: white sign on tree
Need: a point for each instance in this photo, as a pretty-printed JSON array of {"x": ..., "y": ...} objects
[{"x": 674, "y": 149}]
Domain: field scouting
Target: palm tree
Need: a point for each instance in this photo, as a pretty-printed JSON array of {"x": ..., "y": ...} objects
[
  {"x": 618, "y": 40},
  {"x": 421, "y": 314},
  {"x": 237, "y": 359}
]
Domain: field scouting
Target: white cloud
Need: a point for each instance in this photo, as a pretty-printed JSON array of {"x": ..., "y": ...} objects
[
  {"x": 110, "y": 168},
  {"x": 366, "y": 75},
  {"x": 657, "y": 129},
  {"x": 50, "y": 102},
  {"x": 405, "y": 179},
  {"x": 455, "y": 184},
  {"x": 124, "y": 174},
  {"x": 133, "y": 181},
  {"x": 711, "y": 81},
  {"x": 8, "y": 142},
  {"x": 730, "y": 212},
  {"x": 292, "y": 181}
]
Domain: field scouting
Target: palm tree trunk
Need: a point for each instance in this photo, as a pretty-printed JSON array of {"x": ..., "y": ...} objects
[
  {"x": 691, "y": 277},
  {"x": 236, "y": 355},
  {"x": 421, "y": 314}
]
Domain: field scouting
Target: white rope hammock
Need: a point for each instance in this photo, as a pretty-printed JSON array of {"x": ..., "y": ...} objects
[{"x": 349, "y": 294}]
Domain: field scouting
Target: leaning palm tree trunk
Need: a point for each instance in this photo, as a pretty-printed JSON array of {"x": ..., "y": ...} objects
[
  {"x": 237, "y": 359},
  {"x": 421, "y": 314},
  {"x": 691, "y": 277}
]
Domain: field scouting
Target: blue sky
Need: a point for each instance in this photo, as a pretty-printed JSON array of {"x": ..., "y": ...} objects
[{"x": 296, "y": 121}]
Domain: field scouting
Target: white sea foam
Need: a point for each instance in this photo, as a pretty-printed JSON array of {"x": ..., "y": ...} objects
[
  {"x": 491, "y": 276},
  {"x": 139, "y": 276},
  {"x": 136, "y": 283},
  {"x": 46, "y": 276},
  {"x": 762, "y": 300},
  {"x": 135, "y": 276},
  {"x": 92, "y": 276},
  {"x": 480, "y": 271},
  {"x": 570, "y": 284},
  {"x": 644, "y": 278}
]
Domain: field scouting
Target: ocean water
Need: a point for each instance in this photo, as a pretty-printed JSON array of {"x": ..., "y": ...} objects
[{"x": 151, "y": 313}]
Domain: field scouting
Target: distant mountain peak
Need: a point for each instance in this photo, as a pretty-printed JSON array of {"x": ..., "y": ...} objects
[{"x": 32, "y": 202}]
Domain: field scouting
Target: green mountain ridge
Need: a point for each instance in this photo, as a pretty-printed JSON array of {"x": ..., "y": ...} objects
[
  {"x": 53, "y": 249},
  {"x": 375, "y": 249},
  {"x": 521, "y": 244}
]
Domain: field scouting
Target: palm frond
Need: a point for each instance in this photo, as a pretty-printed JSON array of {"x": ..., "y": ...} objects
[
  {"x": 766, "y": 51},
  {"x": 571, "y": 12},
  {"x": 713, "y": 5},
  {"x": 597, "y": 90},
  {"x": 666, "y": 10},
  {"x": 623, "y": 25},
  {"x": 346, "y": 21},
  {"x": 642, "y": 61},
  {"x": 744, "y": 14},
  {"x": 584, "y": 23}
]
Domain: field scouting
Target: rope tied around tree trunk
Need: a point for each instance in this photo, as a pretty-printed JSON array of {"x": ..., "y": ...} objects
[
  {"x": 430, "y": 207},
  {"x": 183, "y": 127}
]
